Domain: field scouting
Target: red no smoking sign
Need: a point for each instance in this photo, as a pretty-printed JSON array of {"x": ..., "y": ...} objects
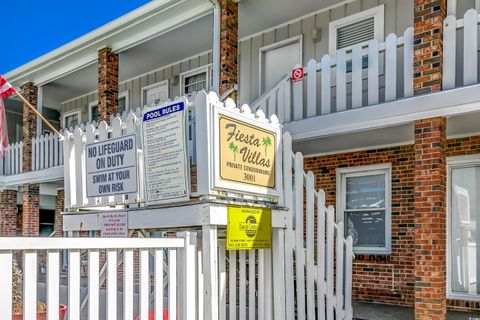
[{"x": 297, "y": 74}]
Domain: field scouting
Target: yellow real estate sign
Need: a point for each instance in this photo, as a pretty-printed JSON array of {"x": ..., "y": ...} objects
[
  {"x": 249, "y": 228},
  {"x": 247, "y": 153}
]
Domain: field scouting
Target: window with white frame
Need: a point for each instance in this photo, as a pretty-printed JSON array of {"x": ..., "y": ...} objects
[
  {"x": 71, "y": 119},
  {"x": 357, "y": 28},
  {"x": 363, "y": 201},
  {"x": 93, "y": 111},
  {"x": 194, "y": 81},
  {"x": 464, "y": 227},
  {"x": 123, "y": 102}
]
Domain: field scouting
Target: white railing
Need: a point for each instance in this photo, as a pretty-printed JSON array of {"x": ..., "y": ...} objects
[
  {"x": 12, "y": 160},
  {"x": 343, "y": 82},
  {"x": 460, "y": 67},
  {"x": 176, "y": 251},
  {"x": 332, "y": 298},
  {"x": 47, "y": 152}
]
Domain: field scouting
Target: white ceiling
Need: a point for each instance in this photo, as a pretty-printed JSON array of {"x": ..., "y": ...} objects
[
  {"x": 258, "y": 15},
  {"x": 183, "y": 42}
]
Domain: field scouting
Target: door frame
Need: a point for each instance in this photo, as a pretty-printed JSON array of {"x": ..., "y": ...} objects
[
  {"x": 296, "y": 39},
  {"x": 456, "y": 162},
  {"x": 152, "y": 86}
]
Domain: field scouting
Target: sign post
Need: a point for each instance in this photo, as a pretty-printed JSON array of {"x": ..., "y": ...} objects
[{"x": 167, "y": 170}]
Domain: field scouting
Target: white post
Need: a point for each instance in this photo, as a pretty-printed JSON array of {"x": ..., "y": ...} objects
[
  {"x": 210, "y": 271},
  {"x": 188, "y": 296}
]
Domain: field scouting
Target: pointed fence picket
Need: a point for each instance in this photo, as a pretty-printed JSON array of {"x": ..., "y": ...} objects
[
  {"x": 323, "y": 269},
  {"x": 460, "y": 67},
  {"x": 384, "y": 78}
]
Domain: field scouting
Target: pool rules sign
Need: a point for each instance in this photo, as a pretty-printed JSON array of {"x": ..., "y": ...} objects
[
  {"x": 167, "y": 171},
  {"x": 112, "y": 167}
]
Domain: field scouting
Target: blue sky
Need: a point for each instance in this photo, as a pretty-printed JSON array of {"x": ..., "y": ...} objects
[{"x": 32, "y": 28}]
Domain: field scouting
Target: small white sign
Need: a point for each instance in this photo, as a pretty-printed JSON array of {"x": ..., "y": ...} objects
[
  {"x": 113, "y": 225},
  {"x": 112, "y": 167},
  {"x": 167, "y": 170}
]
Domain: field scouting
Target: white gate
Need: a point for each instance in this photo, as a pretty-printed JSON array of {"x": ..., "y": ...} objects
[{"x": 177, "y": 255}]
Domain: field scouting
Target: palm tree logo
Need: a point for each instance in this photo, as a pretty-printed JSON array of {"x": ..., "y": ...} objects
[
  {"x": 234, "y": 148},
  {"x": 266, "y": 142}
]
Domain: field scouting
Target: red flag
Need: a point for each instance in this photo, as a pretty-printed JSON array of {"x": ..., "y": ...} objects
[{"x": 6, "y": 90}]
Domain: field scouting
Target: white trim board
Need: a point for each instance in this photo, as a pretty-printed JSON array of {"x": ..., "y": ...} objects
[{"x": 445, "y": 103}]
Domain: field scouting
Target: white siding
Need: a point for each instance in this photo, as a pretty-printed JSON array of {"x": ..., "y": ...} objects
[{"x": 398, "y": 17}]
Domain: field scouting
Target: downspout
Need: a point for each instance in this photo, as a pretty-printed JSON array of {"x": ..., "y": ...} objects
[{"x": 216, "y": 46}]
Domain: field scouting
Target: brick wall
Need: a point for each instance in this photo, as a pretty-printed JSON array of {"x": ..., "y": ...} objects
[
  {"x": 107, "y": 84},
  {"x": 31, "y": 210},
  {"x": 372, "y": 279},
  {"x": 382, "y": 278},
  {"x": 430, "y": 219},
  {"x": 228, "y": 45},
  {"x": 428, "y": 45},
  {"x": 59, "y": 208},
  {"x": 8, "y": 215},
  {"x": 30, "y": 93}
]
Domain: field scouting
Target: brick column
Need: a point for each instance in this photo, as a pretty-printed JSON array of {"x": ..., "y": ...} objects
[
  {"x": 107, "y": 84},
  {"x": 430, "y": 219},
  {"x": 30, "y": 92},
  {"x": 228, "y": 45},
  {"x": 428, "y": 45},
  {"x": 31, "y": 210},
  {"x": 59, "y": 208},
  {"x": 8, "y": 215}
]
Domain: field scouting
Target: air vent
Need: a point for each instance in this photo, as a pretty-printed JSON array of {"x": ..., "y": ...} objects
[{"x": 354, "y": 33}]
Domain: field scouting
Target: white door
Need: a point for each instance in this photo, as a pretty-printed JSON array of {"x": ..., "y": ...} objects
[
  {"x": 155, "y": 93},
  {"x": 277, "y": 62}
]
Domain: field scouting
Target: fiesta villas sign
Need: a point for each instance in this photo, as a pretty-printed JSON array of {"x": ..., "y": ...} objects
[{"x": 247, "y": 153}]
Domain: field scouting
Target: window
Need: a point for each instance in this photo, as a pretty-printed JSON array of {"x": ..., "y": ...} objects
[
  {"x": 355, "y": 29},
  {"x": 194, "y": 81},
  {"x": 71, "y": 119},
  {"x": 364, "y": 204},
  {"x": 93, "y": 111},
  {"x": 464, "y": 227},
  {"x": 123, "y": 102}
]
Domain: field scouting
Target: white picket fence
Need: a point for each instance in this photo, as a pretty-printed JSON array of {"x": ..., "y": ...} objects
[
  {"x": 315, "y": 248},
  {"x": 460, "y": 52},
  {"x": 12, "y": 160},
  {"x": 179, "y": 254},
  {"x": 329, "y": 86},
  {"x": 47, "y": 152}
]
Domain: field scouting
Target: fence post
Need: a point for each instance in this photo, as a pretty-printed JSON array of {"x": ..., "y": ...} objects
[
  {"x": 188, "y": 278},
  {"x": 348, "y": 279},
  {"x": 210, "y": 271}
]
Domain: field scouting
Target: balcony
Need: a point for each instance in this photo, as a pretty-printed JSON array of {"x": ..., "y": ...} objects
[
  {"x": 371, "y": 87},
  {"x": 47, "y": 162}
]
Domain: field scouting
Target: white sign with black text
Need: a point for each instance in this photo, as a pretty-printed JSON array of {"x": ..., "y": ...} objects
[
  {"x": 167, "y": 171},
  {"x": 112, "y": 167}
]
